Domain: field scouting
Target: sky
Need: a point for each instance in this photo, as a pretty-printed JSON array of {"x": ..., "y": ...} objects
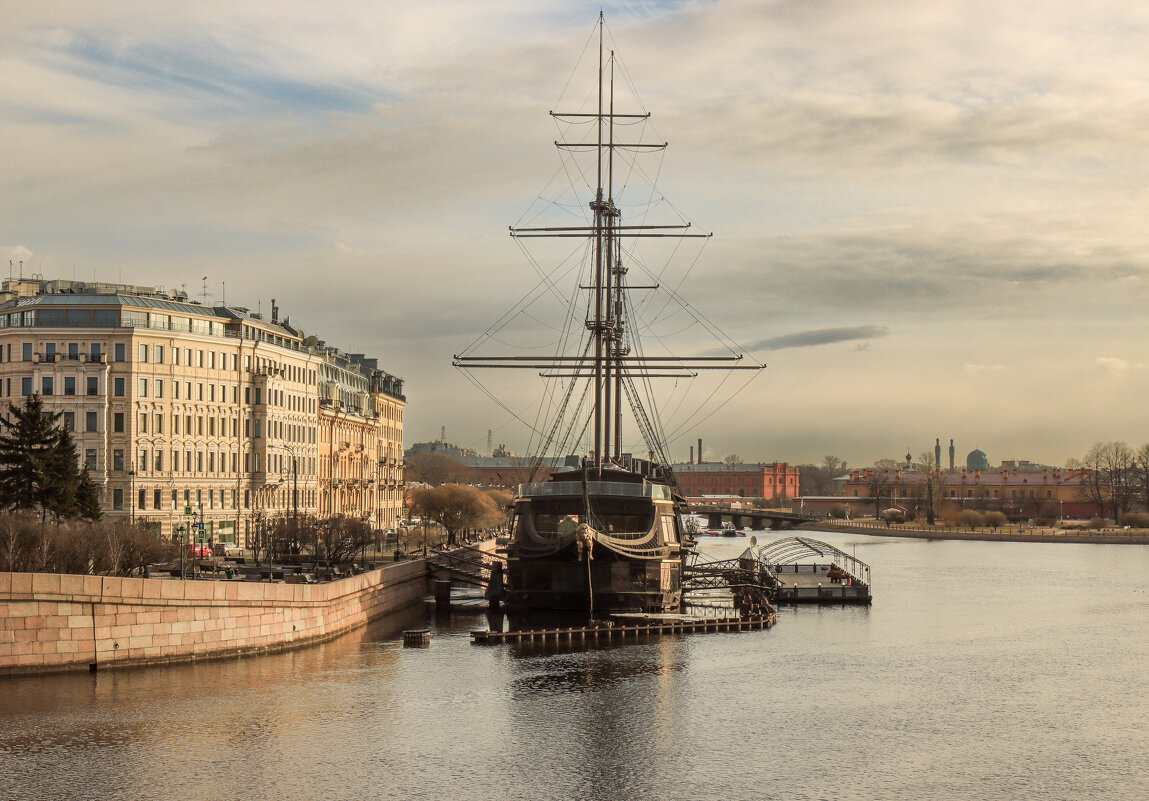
[{"x": 927, "y": 216}]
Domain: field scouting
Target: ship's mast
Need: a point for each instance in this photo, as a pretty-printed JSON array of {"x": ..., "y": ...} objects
[{"x": 612, "y": 362}]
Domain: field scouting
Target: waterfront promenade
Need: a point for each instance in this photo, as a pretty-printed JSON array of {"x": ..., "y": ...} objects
[
  {"x": 53, "y": 622},
  {"x": 1108, "y": 536}
]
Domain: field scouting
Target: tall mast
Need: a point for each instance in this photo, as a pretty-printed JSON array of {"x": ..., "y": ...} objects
[
  {"x": 605, "y": 320},
  {"x": 598, "y": 421}
]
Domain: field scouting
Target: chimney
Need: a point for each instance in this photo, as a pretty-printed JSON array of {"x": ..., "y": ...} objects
[
  {"x": 691, "y": 455},
  {"x": 951, "y": 454},
  {"x": 938, "y": 453},
  {"x": 700, "y": 450},
  {"x": 274, "y": 311}
]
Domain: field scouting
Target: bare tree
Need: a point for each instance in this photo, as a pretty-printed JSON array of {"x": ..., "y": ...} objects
[
  {"x": 732, "y": 459},
  {"x": 878, "y": 486},
  {"x": 1112, "y": 482},
  {"x": 932, "y": 488},
  {"x": 1141, "y": 466},
  {"x": 454, "y": 507}
]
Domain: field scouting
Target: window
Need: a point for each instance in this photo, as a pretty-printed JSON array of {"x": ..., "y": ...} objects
[
  {"x": 74, "y": 351},
  {"x": 95, "y": 350},
  {"x": 69, "y": 385},
  {"x": 119, "y": 388},
  {"x": 158, "y": 466},
  {"x": 70, "y": 421},
  {"x": 156, "y": 500},
  {"x": 258, "y": 428},
  {"x": 199, "y": 358},
  {"x": 118, "y": 459},
  {"x": 159, "y": 424},
  {"x": 143, "y": 423},
  {"x": 26, "y": 351},
  {"x": 120, "y": 352},
  {"x": 143, "y": 353},
  {"x": 143, "y": 499},
  {"x": 90, "y": 459},
  {"x": 26, "y": 385},
  {"x": 211, "y": 389},
  {"x": 90, "y": 421},
  {"x": 199, "y": 391},
  {"x": 49, "y": 351},
  {"x": 46, "y": 385},
  {"x": 258, "y": 396},
  {"x": 158, "y": 352},
  {"x": 118, "y": 422},
  {"x": 93, "y": 385},
  {"x": 159, "y": 387},
  {"x": 117, "y": 499},
  {"x": 175, "y": 465},
  {"x": 143, "y": 387}
]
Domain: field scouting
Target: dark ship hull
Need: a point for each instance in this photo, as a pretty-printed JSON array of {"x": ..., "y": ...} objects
[{"x": 601, "y": 546}]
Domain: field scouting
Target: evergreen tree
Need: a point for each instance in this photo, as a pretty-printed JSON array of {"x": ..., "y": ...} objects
[{"x": 39, "y": 468}]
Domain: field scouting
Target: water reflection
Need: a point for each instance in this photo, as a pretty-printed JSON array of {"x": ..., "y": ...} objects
[{"x": 983, "y": 668}]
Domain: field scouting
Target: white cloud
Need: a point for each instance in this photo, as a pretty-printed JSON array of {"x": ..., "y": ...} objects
[{"x": 966, "y": 176}]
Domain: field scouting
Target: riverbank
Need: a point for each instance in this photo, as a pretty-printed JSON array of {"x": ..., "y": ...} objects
[
  {"x": 1025, "y": 534},
  {"x": 57, "y": 622}
]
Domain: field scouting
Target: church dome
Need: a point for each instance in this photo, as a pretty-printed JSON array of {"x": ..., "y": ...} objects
[{"x": 977, "y": 460}]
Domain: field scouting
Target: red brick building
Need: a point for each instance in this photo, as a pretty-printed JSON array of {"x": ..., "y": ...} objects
[{"x": 770, "y": 481}]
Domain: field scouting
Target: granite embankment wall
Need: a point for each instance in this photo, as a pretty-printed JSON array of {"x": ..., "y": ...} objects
[{"x": 54, "y": 622}]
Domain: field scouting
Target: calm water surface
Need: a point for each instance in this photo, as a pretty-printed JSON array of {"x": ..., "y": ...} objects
[{"x": 983, "y": 670}]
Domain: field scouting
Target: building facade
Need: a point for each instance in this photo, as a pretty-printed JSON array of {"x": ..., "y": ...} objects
[
  {"x": 178, "y": 406},
  {"x": 775, "y": 481},
  {"x": 1052, "y": 492}
]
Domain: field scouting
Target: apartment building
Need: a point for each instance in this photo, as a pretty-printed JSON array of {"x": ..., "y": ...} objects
[{"x": 177, "y": 405}]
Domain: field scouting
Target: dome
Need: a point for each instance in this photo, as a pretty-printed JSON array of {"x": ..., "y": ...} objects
[{"x": 977, "y": 460}]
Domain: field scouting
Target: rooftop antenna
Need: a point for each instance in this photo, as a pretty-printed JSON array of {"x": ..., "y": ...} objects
[
  {"x": 224, "y": 292},
  {"x": 205, "y": 290}
]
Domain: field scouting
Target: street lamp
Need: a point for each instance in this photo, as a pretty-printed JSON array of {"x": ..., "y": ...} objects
[
  {"x": 295, "y": 491},
  {"x": 132, "y": 497}
]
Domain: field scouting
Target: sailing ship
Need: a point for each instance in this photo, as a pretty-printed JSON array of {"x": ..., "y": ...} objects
[{"x": 604, "y": 531}]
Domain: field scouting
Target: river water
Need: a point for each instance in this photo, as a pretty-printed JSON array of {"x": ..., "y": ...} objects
[{"x": 983, "y": 670}]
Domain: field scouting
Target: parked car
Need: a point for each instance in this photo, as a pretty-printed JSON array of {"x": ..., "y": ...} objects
[
  {"x": 199, "y": 550},
  {"x": 228, "y": 549}
]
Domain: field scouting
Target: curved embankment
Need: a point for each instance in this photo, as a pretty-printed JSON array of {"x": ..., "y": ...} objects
[
  {"x": 54, "y": 622},
  {"x": 1040, "y": 535}
]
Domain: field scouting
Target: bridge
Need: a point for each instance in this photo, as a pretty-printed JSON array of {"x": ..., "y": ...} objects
[{"x": 757, "y": 519}]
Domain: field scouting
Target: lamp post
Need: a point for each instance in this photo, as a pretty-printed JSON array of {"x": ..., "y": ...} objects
[
  {"x": 132, "y": 497},
  {"x": 295, "y": 493},
  {"x": 180, "y": 529}
]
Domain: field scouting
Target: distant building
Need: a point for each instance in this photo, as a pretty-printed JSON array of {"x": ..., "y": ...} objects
[
  {"x": 1053, "y": 491},
  {"x": 698, "y": 482},
  {"x": 439, "y": 446}
]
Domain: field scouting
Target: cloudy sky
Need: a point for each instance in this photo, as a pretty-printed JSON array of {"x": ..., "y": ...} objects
[{"x": 927, "y": 215}]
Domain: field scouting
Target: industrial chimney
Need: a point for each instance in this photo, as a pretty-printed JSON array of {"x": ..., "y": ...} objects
[
  {"x": 691, "y": 455},
  {"x": 938, "y": 453},
  {"x": 951, "y": 454},
  {"x": 700, "y": 450}
]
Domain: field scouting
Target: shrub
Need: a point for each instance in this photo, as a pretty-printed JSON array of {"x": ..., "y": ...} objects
[
  {"x": 838, "y": 511},
  {"x": 971, "y": 518},
  {"x": 995, "y": 520},
  {"x": 1097, "y": 522}
]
